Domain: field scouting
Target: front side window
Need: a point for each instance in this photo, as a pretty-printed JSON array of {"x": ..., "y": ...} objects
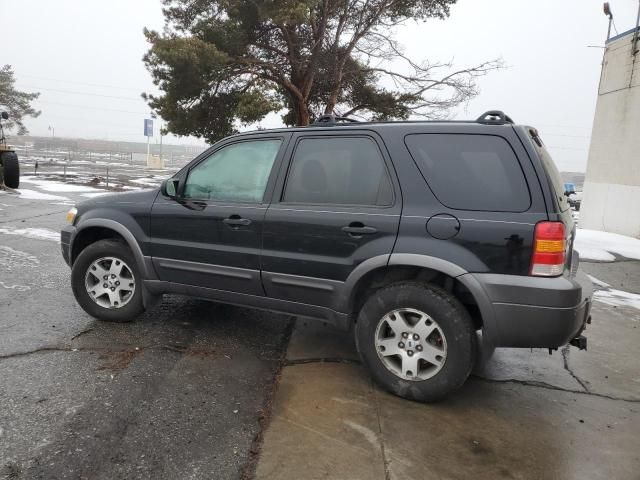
[
  {"x": 235, "y": 173},
  {"x": 471, "y": 172},
  {"x": 338, "y": 171}
]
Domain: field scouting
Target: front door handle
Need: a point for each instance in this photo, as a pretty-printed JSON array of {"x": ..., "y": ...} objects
[
  {"x": 236, "y": 221},
  {"x": 357, "y": 229}
]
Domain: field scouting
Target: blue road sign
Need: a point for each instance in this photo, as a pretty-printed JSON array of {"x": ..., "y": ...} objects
[{"x": 148, "y": 127}]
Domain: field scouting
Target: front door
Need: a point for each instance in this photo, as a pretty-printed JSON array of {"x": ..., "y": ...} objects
[
  {"x": 337, "y": 205},
  {"x": 210, "y": 235}
]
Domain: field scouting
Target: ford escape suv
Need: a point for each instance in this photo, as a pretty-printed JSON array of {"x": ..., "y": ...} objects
[{"x": 421, "y": 238}]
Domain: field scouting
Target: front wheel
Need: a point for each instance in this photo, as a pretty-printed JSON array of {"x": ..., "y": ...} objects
[
  {"x": 417, "y": 340},
  {"x": 107, "y": 283}
]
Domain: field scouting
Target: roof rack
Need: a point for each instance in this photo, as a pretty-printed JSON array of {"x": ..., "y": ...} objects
[
  {"x": 494, "y": 117},
  {"x": 331, "y": 121}
]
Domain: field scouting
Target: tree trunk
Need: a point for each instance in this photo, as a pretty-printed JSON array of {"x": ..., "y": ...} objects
[
  {"x": 333, "y": 97},
  {"x": 302, "y": 112}
]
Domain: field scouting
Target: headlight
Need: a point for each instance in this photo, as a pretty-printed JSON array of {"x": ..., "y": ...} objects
[{"x": 71, "y": 215}]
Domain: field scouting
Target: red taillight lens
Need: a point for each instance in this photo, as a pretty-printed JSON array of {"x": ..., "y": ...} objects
[{"x": 549, "y": 247}]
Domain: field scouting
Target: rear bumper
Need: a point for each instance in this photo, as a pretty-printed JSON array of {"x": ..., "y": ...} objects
[
  {"x": 537, "y": 312},
  {"x": 66, "y": 240}
]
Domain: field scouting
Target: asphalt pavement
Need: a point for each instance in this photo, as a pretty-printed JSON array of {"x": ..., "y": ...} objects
[{"x": 180, "y": 393}]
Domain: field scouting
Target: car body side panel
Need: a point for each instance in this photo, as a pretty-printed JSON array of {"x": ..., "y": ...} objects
[
  {"x": 306, "y": 256},
  {"x": 499, "y": 242}
]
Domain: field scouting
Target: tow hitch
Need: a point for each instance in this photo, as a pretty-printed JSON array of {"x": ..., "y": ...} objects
[{"x": 580, "y": 342}]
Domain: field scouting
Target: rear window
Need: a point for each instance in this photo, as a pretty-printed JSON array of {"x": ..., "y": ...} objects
[{"x": 471, "y": 172}]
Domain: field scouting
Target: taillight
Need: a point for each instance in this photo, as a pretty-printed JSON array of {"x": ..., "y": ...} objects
[{"x": 549, "y": 247}]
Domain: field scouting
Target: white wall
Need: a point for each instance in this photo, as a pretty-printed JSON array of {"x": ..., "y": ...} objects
[{"x": 612, "y": 185}]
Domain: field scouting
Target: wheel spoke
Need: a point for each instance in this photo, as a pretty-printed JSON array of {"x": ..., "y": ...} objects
[
  {"x": 423, "y": 329},
  {"x": 389, "y": 346},
  {"x": 98, "y": 289},
  {"x": 432, "y": 354},
  {"x": 410, "y": 365},
  {"x": 98, "y": 271},
  {"x": 116, "y": 268},
  {"x": 114, "y": 298}
]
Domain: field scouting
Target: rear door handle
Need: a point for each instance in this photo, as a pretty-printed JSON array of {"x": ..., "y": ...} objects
[
  {"x": 357, "y": 228},
  {"x": 236, "y": 221}
]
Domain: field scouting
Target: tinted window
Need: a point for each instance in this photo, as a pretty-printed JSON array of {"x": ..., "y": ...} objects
[
  {"x": 471, "y": 172},
  {"x": 552, "y": 171},
  {"x": 235, "y": 173},
  {"x": 338, "y": 170}
]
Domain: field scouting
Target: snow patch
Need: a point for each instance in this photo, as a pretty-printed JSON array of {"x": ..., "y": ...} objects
[
  {"x": 19, "y": 288},
  {"x": 26, "y": 194},
  {"x": 37, "y": 233},
  {"x": 55, "y": 186},
  {"x": 618, "y": 298},
  {"x": 95, "y": 194},
  {"x": 147, "y": 181},
  {"x": 11, "y": 259},
  {"x": 597, "y": 282},
  {"x": 600, "y": 246}
]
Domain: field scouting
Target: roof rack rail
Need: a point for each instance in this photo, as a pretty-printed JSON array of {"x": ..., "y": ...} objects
[
  {"x": 494, "y": 117},
  {"x": 331, "y": 121}
]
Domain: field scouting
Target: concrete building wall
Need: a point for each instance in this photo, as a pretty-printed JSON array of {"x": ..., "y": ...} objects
[{"x": 611, "y": 200}]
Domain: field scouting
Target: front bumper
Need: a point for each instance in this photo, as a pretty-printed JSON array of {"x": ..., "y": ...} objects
[
  {"x": 66, "y": 240},
  {"x": 537, "y": 312}
]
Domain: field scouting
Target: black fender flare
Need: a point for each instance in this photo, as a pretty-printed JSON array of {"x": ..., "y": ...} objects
[
  {"x": 433, "y": 263},
  {"x": 144, "y": 263}
]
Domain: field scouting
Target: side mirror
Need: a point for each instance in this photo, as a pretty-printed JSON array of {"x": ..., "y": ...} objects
[
  {"x": 169, "y": 187},
  {"x": 4, "y": 115}
]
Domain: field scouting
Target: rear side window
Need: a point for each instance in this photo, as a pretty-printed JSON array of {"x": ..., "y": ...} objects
[
  {"x": 471, "y": 172},
  {"x": 339, "y": 171},
  {"x": 553, "y": 173}
]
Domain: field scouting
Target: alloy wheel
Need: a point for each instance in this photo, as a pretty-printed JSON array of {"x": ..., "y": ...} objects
[
  {"x": 110, "y": 282},
  {"x": 410, "y": 344}
]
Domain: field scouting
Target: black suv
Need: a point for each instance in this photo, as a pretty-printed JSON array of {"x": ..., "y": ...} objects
[{"x": 424, "y": 238}]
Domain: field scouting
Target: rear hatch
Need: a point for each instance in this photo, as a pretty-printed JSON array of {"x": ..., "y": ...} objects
[{"x": 559, "y": 209}]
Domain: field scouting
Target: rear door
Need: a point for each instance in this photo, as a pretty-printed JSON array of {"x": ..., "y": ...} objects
[
  {"x": 210, "y": 236},
  {"x": 337, "y": 203},
  {"x": 486, "y": 198}
]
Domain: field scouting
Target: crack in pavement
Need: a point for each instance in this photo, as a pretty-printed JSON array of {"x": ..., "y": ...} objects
[
  {"x": 528, "y": 383},
  {"x": 37, "y": 350},
  {"x": 386, "y": 462},
  {"x": 77, "y": 335},
  {"x": 33, "y": 216},
  {"x": 248, "y": 470},
  {"x": 548, "y": 386},
  {"x": 171, "y": 348},
  {"x": 565, "y": 358},
  {"x": 302, "y": 361}
]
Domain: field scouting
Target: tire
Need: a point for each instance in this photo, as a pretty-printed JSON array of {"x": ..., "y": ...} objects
[
  {"x": 451, "y": 345},
  {"x": 11, "y": 169},
  {"x": 123, "y": 304}
]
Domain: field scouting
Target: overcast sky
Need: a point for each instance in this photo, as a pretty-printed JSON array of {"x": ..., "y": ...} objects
[{"x": 84, "y": 57}]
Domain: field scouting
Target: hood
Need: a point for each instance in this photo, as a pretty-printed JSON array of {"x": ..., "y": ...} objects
[{"x": 140, "y": 197}]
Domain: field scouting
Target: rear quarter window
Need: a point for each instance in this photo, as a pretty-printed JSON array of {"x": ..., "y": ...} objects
[
  {"x": 555, "y": 177},
  {"x": 471, "y": 172}
]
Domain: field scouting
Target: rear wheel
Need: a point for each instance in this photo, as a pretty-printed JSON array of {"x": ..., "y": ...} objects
[
  {"x": 417, "y": 340},
  {"x": 106, "y": 282},
  {"x": 11, "y": 169}
]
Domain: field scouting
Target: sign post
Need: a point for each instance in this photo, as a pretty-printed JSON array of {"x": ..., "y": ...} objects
[{"x": 148, "y": 132}]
